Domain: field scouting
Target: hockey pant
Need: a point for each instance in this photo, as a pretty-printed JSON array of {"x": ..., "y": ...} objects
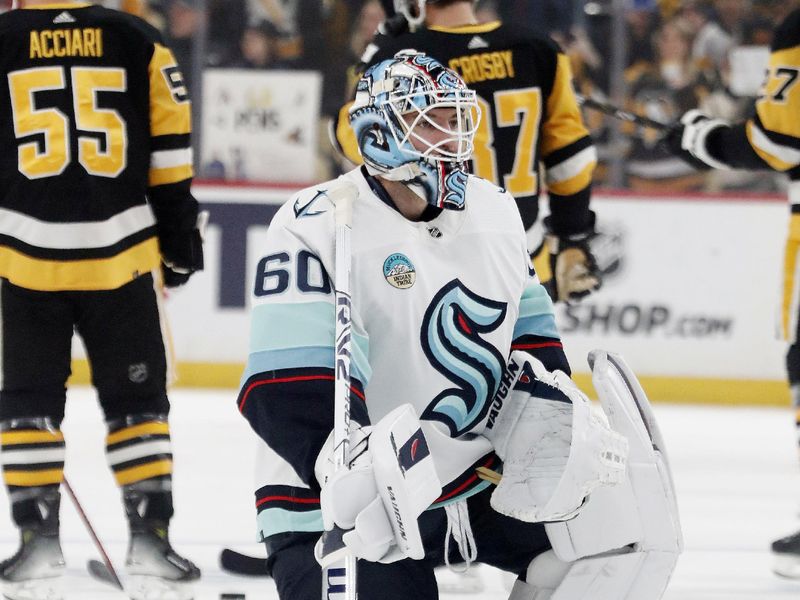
[
  {"x": 122, "y": 331},
  {"x": 501, "y": 541}
]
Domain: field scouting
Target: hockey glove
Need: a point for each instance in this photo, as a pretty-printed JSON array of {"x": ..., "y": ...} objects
[
  {"x": 390, "y": 482},
  {"x": 182, "y": 253},
  {"x": 555, "y": 448},
  {"x": 688, "y": 140},
  {"x": 574, "y": 268}
]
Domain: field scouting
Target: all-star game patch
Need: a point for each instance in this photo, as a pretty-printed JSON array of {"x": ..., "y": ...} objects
[{"x": 399, "y": 271}]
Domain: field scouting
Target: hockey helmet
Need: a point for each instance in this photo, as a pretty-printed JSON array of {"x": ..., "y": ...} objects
[
  {"x": 392, "y": 113},
  {"x": 413, "y": 10}
]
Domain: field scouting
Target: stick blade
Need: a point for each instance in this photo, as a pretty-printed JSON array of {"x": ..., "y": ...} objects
[
  {"x": 102, "y": 573},
  {"x": 242, "y": 564}
]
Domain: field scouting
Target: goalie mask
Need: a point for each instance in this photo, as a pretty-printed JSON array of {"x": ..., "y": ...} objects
[{"x": 398, "y": 105}]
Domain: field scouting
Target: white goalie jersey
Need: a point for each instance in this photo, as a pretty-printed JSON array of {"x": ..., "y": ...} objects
[{"x": 437, "y": 306}]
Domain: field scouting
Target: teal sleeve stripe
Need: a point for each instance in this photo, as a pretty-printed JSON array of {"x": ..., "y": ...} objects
[
  {"x": 300, "y": 335},
  {"x": 301, "y": 325},
  {"x": 359, "y": 364},
  {"x": 279, "y": 520},
  {"x": 540, "y": 325},
  {"x": 535, "y": 301}
]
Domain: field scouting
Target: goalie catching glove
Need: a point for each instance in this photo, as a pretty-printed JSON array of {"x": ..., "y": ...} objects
[
  {"x": 390, "y": 481},
  {"x": 555, "y": 448},
  {"x": 574, "y": 268}
]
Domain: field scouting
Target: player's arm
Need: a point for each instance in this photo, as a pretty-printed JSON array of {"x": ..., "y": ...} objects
[
  {"x": 170, "y": 174},
  {"x": 287, "y": 388},
  {"x": 535, "y": 331},
  {"x": 569, "y": 158},
  {"x": 768, "y": 140},
  {"x": 568, "y": 154}
]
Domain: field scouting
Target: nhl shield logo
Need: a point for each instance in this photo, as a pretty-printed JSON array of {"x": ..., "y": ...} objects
[{"x": 399, "y": 271}]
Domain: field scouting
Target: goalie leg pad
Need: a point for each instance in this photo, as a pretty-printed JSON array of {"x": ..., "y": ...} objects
[
  {"x": 642, "y": 512},
  {"x": 623, "y": 575}
]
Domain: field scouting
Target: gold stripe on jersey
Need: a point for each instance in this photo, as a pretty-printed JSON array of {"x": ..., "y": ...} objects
[
  {"x": 573, "y": 174},
  {"x": 346, "y": 137},
  {"x": 790, "y": 296},
  {"x": 563, "y": 127},
  {"x": 170, "y": 110},
  {"x": 143, "y": 472},
  {"x": 477, "y": 28},
  {"x": 778, "y": 156},
  {"x": 169, "y": 175},
  {"x": 58, "y": 43},
  {"x": 90, "y": 274},
  {"x": 58, "y": 5}
]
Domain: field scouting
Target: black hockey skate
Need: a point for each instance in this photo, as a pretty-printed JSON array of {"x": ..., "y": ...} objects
[
  {"x": 155, "y": 570},
  {"x": 35, "y": 571},
  {"x": 787, "y": 556}
]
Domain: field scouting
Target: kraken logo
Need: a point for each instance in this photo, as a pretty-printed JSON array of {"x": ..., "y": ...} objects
[{"x": 451, "y": 338}]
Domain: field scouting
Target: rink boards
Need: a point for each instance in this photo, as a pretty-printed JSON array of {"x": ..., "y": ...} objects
[{"x": 690, "y": 300}]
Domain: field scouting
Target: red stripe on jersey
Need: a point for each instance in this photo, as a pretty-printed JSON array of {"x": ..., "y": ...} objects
[{"x": 255, "y": 384}]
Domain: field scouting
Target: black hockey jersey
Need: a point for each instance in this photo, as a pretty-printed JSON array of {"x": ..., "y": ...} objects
[
  {"x": 771, "y": 138},
  {"x": 529, "y": 114},
  {"x": 94, "y": 120}
]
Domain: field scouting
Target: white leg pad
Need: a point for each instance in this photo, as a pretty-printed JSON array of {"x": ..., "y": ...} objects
[
  {"x": 625, "y": 541},
  {"x": 614, "y": 576}
]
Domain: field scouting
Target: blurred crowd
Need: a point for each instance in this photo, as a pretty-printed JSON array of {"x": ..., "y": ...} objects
[{"x": 678, "y": 54}]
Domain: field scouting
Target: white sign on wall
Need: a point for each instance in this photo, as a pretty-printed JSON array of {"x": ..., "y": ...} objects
[{"x": 260, "y": 125}]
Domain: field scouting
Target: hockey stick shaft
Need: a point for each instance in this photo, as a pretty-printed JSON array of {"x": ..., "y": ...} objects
[
  {"x": 98, "y": 544},
  {"x": 339, "y": 579},
  {"x": 621, "y": 114}
]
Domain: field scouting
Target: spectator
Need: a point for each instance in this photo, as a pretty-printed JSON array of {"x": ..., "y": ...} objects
[
  {"x": 184, "y": 20},
  {"x": 259, "y": 48},
  {"x": 663, "y": 92}
]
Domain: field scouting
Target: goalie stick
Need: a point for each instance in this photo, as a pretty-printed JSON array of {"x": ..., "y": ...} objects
[
  {"x": 339, "y": 575},
  {"x": 238, "y": 563}
]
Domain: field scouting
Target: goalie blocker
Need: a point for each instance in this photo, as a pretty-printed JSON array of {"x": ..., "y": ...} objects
[{"x": 625, "y": 541}]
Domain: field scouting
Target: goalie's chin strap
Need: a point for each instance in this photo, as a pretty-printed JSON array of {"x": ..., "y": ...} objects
[{"x": 459, "y": 527}]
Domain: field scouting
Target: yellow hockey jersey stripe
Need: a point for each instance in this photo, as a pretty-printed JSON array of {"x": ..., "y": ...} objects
[
  {"x": 169, "y": 175},
  {"x": 170, "y": 110},
  {"x": 574, "y": 174},
  {"x": 346, "y": 137},
  {"x": 563, "y": 125},
  {"x": 91, "y": 274},
  {"x": 778, "y": 156}
]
